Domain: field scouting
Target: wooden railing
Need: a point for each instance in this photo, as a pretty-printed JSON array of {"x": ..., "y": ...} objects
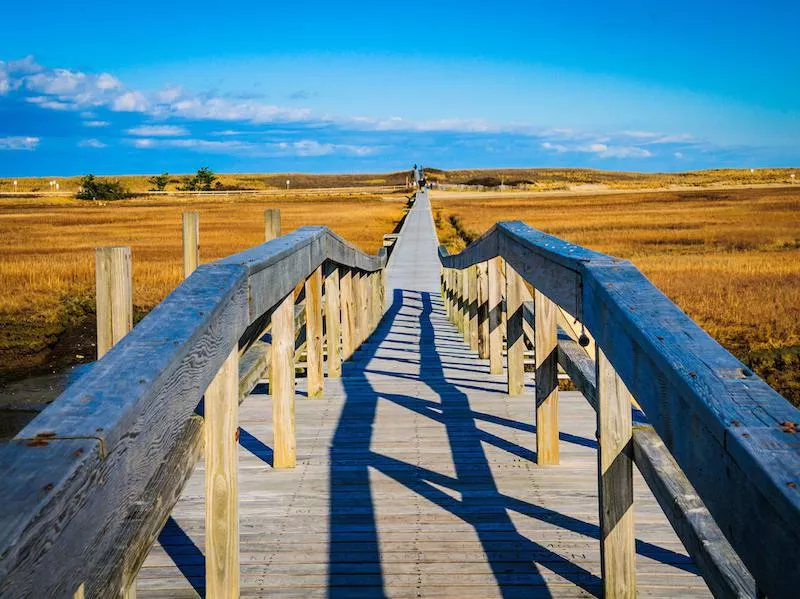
[
  {"x": 89, "y": 483},
  {"x": 719, "y": 448}
]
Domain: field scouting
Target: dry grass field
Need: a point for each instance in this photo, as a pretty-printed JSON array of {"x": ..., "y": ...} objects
[
  {"x": 729, "y": 258},
  {"x": 47, "y": 257}
]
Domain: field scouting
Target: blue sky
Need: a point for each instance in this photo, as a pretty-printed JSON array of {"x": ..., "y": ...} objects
[{"x": 114, "y": 88}]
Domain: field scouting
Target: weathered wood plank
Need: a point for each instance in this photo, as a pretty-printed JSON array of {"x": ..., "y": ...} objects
[
  {"x": 615, "y": 482},
  {"x": 721, "y": 568},
  {"x": 348, "y": 315},
  {"x": 283, "y": 409},
  {"x": 114, "y": 292},
  {"x": 333, "y": 322},
  {"x": 221, "y": 403},
  {"x": 190, "y": 229},
  {"x": 315, "y": 359},
  {"x": 272, "y": 224},
  {"x": 483, "y": 310},
  {"x": 679, "y": 375},
  {"x": 496, "y": 292},
  {"x": 546, "y": 355},
  {"x": 472, "y": 300},
  {"x": 516, "y": 341}
]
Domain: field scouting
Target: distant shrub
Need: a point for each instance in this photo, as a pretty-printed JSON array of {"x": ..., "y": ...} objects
[
  {"x": 93, "y": 188},
  {"x": 219, "y": 186},
  {"x": 159, "y": 182},
  {"x": 202, "y": 181},
  {"x": 484, "y": 181}
]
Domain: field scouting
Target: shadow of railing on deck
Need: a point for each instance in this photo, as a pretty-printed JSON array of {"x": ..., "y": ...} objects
[{"x": 512, "y": 557}]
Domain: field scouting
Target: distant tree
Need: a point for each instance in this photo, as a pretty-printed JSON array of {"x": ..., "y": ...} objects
[
  {"x": 93, "y": 188},
  {"x": 202, "y": 181},
  {"x": 159, "y": 182},
  {"x": 204, "y": 178}
]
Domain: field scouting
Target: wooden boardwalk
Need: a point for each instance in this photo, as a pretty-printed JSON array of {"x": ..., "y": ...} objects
[{"x": 415, "y": 477}]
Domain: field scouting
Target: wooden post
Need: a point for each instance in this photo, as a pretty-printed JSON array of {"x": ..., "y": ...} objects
[
  {"x": 446, "y": 291},
  {"x": 615, "y": 482},
  {"x": 283, "y": 379},
  {"x": 272, "y": 223},
  {"x": 516, "y": 339},
  {"x": 472, "y": 281},
  {"x": 358, "y": 299},
  {"x": 465, "y": 303},
  {"x": 221, "y": 413},
  {"x": 314, "y": 359},
  {"x": 130, "y": 591},
  {"x": 348, "y": 322},
  {"x": 483, "y": 310},
  {"x": 114, "y": 296},
  {"x": 80, "y": 592},
  {"x": 333, "y": 323},
  {"x": 191, "y": 242},
  {"x": 367, "y": 307},
  {"x": 377, "y": 302},
  {"x": 495, "y": 316},
  {"x": 546, "y": 350}
]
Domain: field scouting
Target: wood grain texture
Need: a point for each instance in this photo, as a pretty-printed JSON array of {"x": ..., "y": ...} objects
[
  {"x": 272, "y": 224},
  {"x": 496, "y": 293},
  {"x": 348, "y": 316},
  {"x": 516, "y": 340},
  {"x": 283, "y": 407},
  {"x": 190, "y": 236},
  {"x": 719, "y": 565},
  {"x": 221, "y": 480},
  {"x": 483, "y": 310},
  {"x": 615, "y": 482},
  {"x": 472, "y": 301},
  {"x": 546, "y": 355},
  {"x": 416, "y": 480},
  {"x": 333, "y": 321},
  {"x": 314, "y": 334},
  {"x": 678, "y": 375},
  {"x": 114, "y": 293}
]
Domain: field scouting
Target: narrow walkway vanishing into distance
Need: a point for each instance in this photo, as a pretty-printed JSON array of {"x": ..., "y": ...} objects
[{"x": 416, "y": 477}]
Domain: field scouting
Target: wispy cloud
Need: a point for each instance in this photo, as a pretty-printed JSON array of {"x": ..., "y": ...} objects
[
  {"x": 91, "y": 143},
  {"x": 19, "y": 143},
  {"x": 158, "y": 131},
  {"x": 96, "y": 123}
]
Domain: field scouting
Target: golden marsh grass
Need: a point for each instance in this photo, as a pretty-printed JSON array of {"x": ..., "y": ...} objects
[{"x": 729, "y": 258}]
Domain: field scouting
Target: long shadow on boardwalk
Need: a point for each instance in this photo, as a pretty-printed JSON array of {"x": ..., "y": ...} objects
[{"x": 511, "y": 556}]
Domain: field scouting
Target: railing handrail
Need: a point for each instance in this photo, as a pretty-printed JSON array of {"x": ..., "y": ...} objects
[
  {"x": 89, "y": 455},
  {"x": 729, "y": 431}
]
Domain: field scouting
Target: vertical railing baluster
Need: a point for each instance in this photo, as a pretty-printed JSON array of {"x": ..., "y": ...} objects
[
  {"x": 495, "y": 318},
  {"x": 333, "y": 321},
  {"x": 283, "y": 336},
  {"x": 348, "y": 318},
  {"x": 483, "y": 310},
  {"x": 465, "y": 309},
  {"x": 314, "y": 355},
  {"x": 472, "y": 272},
  {"x": 615, "y": 482},
  {"x": 546, "y": 350},
  {"x": 515, "y": 296},
  {"x": 221, "y": 413}
]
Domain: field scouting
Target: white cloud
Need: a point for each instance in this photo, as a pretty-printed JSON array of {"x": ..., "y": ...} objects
[
  {"x": 91, "y": 143},
  {"x": 600, "y": 149},
  {"x": 678, "y": 155},
  {"x": 19, "y": 143},
  {"x": 158, "y": 131},
  {"x": 96, "y": 123},
  {"x": 560, "y": 148},
  {"x": 131, "y": 101}
]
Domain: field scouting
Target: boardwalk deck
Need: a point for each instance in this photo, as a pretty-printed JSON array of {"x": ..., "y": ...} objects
[{"x": 415, "y": 478}]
